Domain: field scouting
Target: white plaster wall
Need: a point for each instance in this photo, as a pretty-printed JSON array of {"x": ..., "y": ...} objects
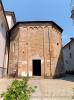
[
  {"x": 10, "y": 21},
  {"x": 2, "y": 44},
  {"x": 72, "y": 59},
  {"x": 3, "y": 31},
  {"x": 66, "y": 51},
  {"x": 6, "y": 58}
]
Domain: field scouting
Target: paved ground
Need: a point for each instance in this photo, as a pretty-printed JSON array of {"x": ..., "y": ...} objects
[{"x": 48, "y": 89}]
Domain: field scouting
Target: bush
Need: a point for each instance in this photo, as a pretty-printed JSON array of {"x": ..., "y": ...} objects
[{"x": 18, "y": 90}]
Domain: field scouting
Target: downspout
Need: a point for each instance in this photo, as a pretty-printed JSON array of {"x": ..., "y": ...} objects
[
  {"x": 50, "y": 54},
  {"x": 18, "y": 56},
  {"x": 8, "y": 47},
  {"x": 27, "y": 55},
  {"x": 44, "y": 52}
]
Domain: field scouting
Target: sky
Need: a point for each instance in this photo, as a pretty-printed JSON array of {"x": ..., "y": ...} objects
[{"x": 58, "y": 11}]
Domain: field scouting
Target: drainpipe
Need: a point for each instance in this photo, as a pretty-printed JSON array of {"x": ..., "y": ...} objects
[
  {"x": 50, "y": 54},
  {"x": 8, "y": 47},
  {"x": 27, "y": 54},
  {"x": 27, "y": 59},
  {"x": 17, "y": 58},
  {"x": 44, "y": 52}
]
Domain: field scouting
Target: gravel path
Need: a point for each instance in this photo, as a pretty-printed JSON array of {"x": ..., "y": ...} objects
[{"x": 47, "y": 89}]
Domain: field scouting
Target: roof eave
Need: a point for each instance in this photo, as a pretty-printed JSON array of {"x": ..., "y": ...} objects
[{"x": 27, "y": 22}]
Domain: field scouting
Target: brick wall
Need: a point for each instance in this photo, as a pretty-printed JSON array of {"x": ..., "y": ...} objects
[{"x": 35, "y": 41}]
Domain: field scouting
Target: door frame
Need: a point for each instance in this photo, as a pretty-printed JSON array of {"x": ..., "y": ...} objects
[{"x": 33, "y": 67}]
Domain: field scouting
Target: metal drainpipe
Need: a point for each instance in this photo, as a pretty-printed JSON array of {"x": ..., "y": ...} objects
[
  {"x": 49, "y": 53},
  {"x": 8, "y": 48},
  {"x": 44, "y": 52},
  {"x": 18, "y": 57},
  {"x": 27, "y": 54},
  {"x": 27, "y": 59}
]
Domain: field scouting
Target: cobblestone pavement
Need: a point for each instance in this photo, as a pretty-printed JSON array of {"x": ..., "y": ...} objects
[{"x": 47, "y": 89}]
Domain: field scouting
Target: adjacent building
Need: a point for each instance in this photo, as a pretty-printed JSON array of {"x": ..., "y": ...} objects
[
  {"x": 36, "y": 49},
  {"x": 7, "y": 21},
  {"x": 68, "y": 51},
  {"x": 10, "y": 16},
  {"x": 11, "y": 20},
  {"x": 3, "y": 33}
]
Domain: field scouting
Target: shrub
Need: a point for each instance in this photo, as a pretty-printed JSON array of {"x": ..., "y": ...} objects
[{"x": 18, "y": 90}]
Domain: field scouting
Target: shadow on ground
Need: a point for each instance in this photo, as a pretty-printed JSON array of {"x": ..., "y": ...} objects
[{"x": 67, "y": 77}]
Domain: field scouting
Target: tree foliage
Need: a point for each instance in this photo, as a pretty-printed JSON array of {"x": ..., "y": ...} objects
[{"x": 18, "y": 90}]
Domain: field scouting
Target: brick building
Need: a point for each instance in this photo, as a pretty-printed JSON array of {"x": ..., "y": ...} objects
[{"x": 35, "y": 49}]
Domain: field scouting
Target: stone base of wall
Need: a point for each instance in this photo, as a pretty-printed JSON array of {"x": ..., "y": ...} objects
[
  {"x": 3, "y": 72},
  {"x": 59, "y": 75},
  {"x": 70, "y": 72}
]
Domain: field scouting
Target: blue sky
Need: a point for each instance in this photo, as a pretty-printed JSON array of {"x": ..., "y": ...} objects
[{"x": 56, "y": 10}]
